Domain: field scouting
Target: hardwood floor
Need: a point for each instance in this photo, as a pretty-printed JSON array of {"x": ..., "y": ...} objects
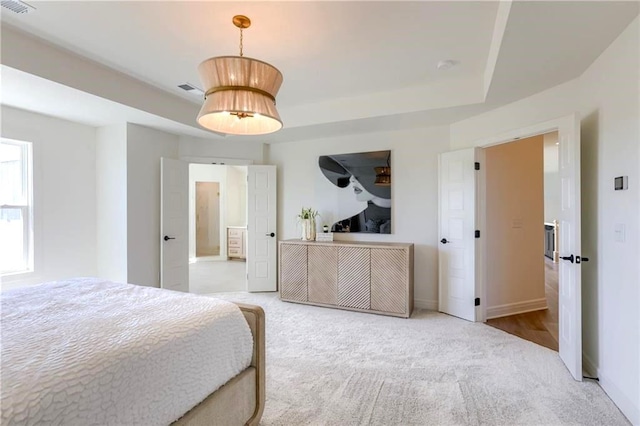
[{"x": 540, "y": 327}]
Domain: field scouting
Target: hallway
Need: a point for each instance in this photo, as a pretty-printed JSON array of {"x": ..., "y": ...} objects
[{"x": 540, "y": 327}]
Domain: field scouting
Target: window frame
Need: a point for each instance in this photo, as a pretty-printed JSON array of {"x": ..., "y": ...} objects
[{"x": 26, "y": 208}]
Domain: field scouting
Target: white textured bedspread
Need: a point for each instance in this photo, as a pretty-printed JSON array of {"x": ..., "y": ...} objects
[{"x": 93, "y": 352}]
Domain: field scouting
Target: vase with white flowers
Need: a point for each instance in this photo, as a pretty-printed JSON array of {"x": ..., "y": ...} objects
[{"x": 307, "y": 219}]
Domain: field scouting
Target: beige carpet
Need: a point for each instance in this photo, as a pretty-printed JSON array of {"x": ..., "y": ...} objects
[
  {"x": 333, "y": 367},
  {"x": 217, "y": 275}
]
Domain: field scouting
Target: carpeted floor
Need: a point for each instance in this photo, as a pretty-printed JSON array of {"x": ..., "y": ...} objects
[
  {"x": 333, "y": 367},
  {"x": 217, "y": 275}
]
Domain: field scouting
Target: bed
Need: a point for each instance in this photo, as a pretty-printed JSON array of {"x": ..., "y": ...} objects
[{"x": 93, "y": 352}]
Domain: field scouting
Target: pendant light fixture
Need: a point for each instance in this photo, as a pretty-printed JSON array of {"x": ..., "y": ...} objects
[
  {"x": 240, "y": 93},
  {"x": 383, "y": 174}
]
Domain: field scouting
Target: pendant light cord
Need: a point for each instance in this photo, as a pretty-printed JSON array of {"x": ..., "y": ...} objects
[{"x": 241, "y": 42}]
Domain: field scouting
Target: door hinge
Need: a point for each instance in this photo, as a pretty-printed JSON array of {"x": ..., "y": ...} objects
[
  {"x": 477, "y": 301},
  {"x": 476, "y": 166},
  {"x": 477, "y": 233}
]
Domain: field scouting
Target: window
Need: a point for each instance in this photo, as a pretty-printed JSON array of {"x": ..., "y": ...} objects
[{"x": 16, "y": 207}]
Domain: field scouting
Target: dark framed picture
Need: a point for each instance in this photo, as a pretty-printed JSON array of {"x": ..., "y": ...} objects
[{"x": 362, "y": 185}]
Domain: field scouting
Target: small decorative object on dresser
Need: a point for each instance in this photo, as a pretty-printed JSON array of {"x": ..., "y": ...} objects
[
  {"x": 366, "y": 277},
  {"x": 237, "y": 242},
  {"x": 307, "y": 218},
  {"x": 325, "y": 236}
]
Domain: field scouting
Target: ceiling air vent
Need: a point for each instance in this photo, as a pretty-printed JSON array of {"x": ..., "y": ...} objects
[
  {"x": 192, "y": 89},
  {"x": 17, "y": 6}
]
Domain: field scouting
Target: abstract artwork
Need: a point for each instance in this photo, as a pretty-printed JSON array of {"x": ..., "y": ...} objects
[{"x": 362, "y": 185}]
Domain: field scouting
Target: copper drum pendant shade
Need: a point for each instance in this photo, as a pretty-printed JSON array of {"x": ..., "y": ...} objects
[
  {"x": 240, "y": 93},
  {"x": 240, "y": 96}
]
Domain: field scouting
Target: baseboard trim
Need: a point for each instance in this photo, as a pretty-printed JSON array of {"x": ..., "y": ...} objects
[
  {"x": 516, "y": 308},
  {"x": 628, "y": 408},
  {"x": 431, "y": 305}
]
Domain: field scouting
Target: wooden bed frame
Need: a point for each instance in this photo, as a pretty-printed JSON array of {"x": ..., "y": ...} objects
[{"x": 241, "y": 400}]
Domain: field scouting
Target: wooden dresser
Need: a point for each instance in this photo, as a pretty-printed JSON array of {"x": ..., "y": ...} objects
[
  {"x": 358, "y": 276},
  {"x": 236, "y": 242}
]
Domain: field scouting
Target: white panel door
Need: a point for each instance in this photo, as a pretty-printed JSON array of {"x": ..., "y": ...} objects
[
  {"x": 570, "y": 277},
  {"x": 261, "y": 228},
  {"x": 457, "y": 220},
  {"x": 174, "y": 224}
]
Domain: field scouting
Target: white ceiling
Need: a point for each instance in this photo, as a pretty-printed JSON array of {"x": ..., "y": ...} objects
[
  {"x": 348, "y": 66},
  {"x": 550, "y": 42},
  {"x": 355, "y": 47},
  {"x": 28, "y": 91}
]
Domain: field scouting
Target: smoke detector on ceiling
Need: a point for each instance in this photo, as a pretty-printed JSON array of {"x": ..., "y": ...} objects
[
  {"x": 447, "y": 64},
  {"x": 17, "y": 6}
]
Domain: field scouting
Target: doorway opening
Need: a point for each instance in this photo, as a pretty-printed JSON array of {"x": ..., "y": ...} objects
[
  {"x": 522, "y": 217},
  {"x": 464, "y": 255},
  {"x": 217, "y": 228},
  {"x": 207, "y": 214}
]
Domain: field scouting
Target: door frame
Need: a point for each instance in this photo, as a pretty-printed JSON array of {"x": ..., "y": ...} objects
[
  {"x": 218, "y": 161},
  {"x": 565, "y": 122}
]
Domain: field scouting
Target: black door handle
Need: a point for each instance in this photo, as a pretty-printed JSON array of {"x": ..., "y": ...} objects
[
  {"x": 167, "y": 238},
  {"x": 569, "y": 258},
  {"x": 444, "y": 241},
  {"x": 271, "y": 235}
]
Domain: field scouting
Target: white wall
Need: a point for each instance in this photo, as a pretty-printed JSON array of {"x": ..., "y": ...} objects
[
  {"x": 129, "y": 165},
  {"x": 610, "y": 107},
  {"x": 225, "y": 148},
  {"x": 546, "y": 105},
  {"x": 414, "y": 166},
  {"x": 551, "y": 178},
  {"x": 236, "y": 196},
  {"x": 607, "y": 98},
  {"x": 145, "y": 147},
  {"x": 64, "y": 195},
  {"x": 207, "y": 173},
  {"x": 111, "y": 198}
]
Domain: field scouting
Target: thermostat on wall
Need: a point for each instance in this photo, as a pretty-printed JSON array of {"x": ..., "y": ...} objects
[{"x": 620, "y": 183}]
